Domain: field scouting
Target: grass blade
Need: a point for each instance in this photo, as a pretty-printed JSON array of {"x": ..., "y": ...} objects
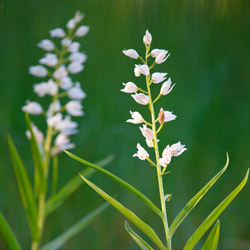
[
  {"x": 38, "y": 163},
  {"x": 194, "y": 201},
  {"x": 58, "y": 199},
  {"x": 214, "y": 215},
  {"x": 77, "y": 228},
  {"x": 25, "y": 190},
  {"x": 7, "y": 235},
  {"x": 121, "y": 182},
  {"x": 213, "y": 238},
  {"x": 145, "y": 228},
  {"x": 139, "y": 241}
]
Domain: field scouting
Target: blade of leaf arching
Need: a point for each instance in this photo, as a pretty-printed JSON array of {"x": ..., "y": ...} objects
[
  {"x": 139, "y": 241},
  {"x": 36, "y": 157},
  {"x": 213, "y": 238},
  {"x": 58, "y": 199},
  {"x": 194, "y": 201},
  {"x": 121, "y": 182},
  {"x": 25, "y": 190},
  {"x": 7, "y": 235},
  {"x": 77, "y": 228},
  {"x": 213, "y": 216},
  {"x": 145, "y": 228}
]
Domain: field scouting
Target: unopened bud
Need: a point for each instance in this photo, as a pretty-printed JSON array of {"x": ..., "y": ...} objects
[{"x": 161, "y": 116}]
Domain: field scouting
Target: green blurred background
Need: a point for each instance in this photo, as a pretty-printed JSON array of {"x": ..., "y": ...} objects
[{"x": 209, "y": 46}]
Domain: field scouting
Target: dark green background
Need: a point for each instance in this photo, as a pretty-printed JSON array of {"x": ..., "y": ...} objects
[{"x": 209, "y": 45}]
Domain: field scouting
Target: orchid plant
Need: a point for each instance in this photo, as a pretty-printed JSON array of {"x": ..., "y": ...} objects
[
  {"x": 62, "y": 59},
  {"x": 160, "y": 160}
]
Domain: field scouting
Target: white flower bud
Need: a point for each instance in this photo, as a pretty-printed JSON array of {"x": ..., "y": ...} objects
[
  {"x": 82, "y": 31},
  {"x": 141, "y": 98},
  {"x": 142, "y": 154},
  {"x": 74, "y": 47},
  {"x": 158, "y": 77},
  {"x": 53, "y": 120},
  {"x": 75, "y": 67},
  {"x": 131, "y": 53},
  {"x": 169, "y": 116},
  {"x": 137, "y": 70},
  {"x": 58, "y": 32},
  {"x": 78, "y": 17},
  {"x": 76, "y": 92},
  {"x": 74, "y": 108},
  {"x": 147, "y": 132},
  {"x": 49, "y": 60},
  {"x": 141, "y": 69},
  {"x": 162, "y": 57},
  {"x": 130, "y": 87},
  {"x": 39, "y": 71},
  {"x": 177, "y": 149},
  {"x": 65, "y": 83},
  {"x": 46, "y": 88},
  {"x": 136, "y": 118},
  {"x": 147, "y": 39},
  {"x": 33, "y": 108},
  {"x": 156, "y": 52},
  {"x": 150, "y": 143},
  {"x": 66, "y": 126},
  {"x": 37, "y": 133},
  {"x": 61, "y": 72},
  {"x": 53, "y": 108},
  {"x": 46, "y": 44},
  {"x": 66, "y": 42},
  {"x": 166, "y": 87},
  {"x": 71, "y": 24},
  {"x": 78, "y": 57}
]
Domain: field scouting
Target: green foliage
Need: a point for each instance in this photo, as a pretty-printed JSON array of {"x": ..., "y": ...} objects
[{"x": 213, "y": 238}]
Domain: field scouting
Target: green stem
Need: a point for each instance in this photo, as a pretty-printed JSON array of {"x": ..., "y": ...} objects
[{"x": 55, "y": 174}]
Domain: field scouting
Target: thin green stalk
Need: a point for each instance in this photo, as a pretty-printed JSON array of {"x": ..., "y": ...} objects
[{"x": 55, "y": 175}]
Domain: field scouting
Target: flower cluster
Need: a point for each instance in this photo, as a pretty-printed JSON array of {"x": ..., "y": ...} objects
[
  {"x": 61, "y": 59},
  {"x": 144, "y": 97}
]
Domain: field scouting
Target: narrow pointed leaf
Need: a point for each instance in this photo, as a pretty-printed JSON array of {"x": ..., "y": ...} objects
[
  {"x": 59, "y": 241},
  {"x": 25, "y": 189},
  {"x": 121, "y": 182},
  {"x": 145, "y": 228},
  {"x": 202, "y": 229},
  {"x": 213, "y": 238},
  {"x": 38, "y": 163},
  {"x": 139, "y": 241},
  {"x": 7, "y": 235},
  {"x": 58, "y": 199},
  {"x": 194, "y": 201}
]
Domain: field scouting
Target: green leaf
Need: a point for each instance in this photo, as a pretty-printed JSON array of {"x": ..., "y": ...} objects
[
  {"x": 128, "y": 214},
  {"x": 139, "y": 241},
  {"x": 121, "y": 182},
  {"x": 7, "y": 234},
  {"x": 25, "y": 190},
  {"x": 38, "y": 163},
  {"x": 59, "y": 241},
  {"x": 213, "y": 238},
  {"x": 194, "y": 201},
  {"x": 58, "y": 199},
  {"x": 202, "y": 229}
]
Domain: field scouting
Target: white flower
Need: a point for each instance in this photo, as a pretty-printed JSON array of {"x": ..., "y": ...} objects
[
  {"x": 131, "y": 53},
  {"x": 58, "y": 32},
  {"x": 46, "y": 88},
  {"x": 66, "y": 126},
  {"x": 66, "y": 42},
  {"x": 46, "y": 44},
  {"x": 74, "y": 108},
  {"x": 78, "y": 57},
  {"x": 71, "y": 24},
  {"x": 75, "y": 67},
  {"x": 137, "y": 118},
  {"x": 142, "y": 154},
  {"x": 147, "y": 39},
  {"x": 53, "y": 108},
  {"x": 169, "y": 116},
  {"x": 147, "y": 132},
  {"x": 39, "y": 71},
  {"x": 162, "y": 57},
  {"x": 61, "y": 72},
  {"x": 166, "y": 87},
  {"x": 156, "y": 52},
  {"x": 158, "y": 77},
  {"x": 150, "y": 143},
  {"x": 141, "y": 69},
  {"x": 37, "y": 133},
  {"x": 49, "y": 59},
  {"x": 62, "y": 142},
  {"x": 130, "y": 87},
  {"x": 177, "y": 149},
  {"x": 74, "y": 47},
  {"x": 141, "y": 98},
  {"x": 76, "y": 92},
  {"x": 65, "y": 83},
  {"x": 33, "y": 108},
  {"x": 53, "y": 120},
  {"x": 82, "y": 31},
  {"x": 78, "y": 17}
]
